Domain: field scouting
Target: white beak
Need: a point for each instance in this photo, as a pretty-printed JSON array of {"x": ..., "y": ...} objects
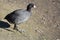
[{"x": 34, "y": 6}]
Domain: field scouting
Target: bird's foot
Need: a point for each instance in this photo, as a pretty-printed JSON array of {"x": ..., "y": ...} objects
[
  {"x": 15, "y": 29},
  {"x": 21, "y": 31}
]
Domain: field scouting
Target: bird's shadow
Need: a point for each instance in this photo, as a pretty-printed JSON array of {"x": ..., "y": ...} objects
[{"x": 5, "y": 25}]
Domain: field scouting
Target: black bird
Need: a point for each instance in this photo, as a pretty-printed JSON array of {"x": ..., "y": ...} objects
[{"x": 18, "y": 16}]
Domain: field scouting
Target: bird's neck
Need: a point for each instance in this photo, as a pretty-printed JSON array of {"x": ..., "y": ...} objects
[{"x": 28, "y": 9}]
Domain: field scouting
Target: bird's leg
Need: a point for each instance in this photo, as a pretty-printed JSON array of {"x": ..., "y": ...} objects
[{"x": 15, "y": 27}]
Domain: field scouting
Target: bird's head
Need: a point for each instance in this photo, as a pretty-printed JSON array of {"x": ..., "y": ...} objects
[{"x": 29, "y": 6}]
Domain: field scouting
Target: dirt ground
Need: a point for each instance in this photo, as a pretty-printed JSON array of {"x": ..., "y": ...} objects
[{"x": 44, "y": 23}]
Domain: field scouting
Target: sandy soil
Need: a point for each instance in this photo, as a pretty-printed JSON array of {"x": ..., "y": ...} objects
[{"x": 44, "y": 23}]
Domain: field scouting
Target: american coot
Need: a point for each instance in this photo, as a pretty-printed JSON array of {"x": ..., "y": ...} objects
[{"x": 18, "y": 16}]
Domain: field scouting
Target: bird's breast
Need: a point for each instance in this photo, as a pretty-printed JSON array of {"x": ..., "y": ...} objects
[{"x": 23, "y": 17}]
